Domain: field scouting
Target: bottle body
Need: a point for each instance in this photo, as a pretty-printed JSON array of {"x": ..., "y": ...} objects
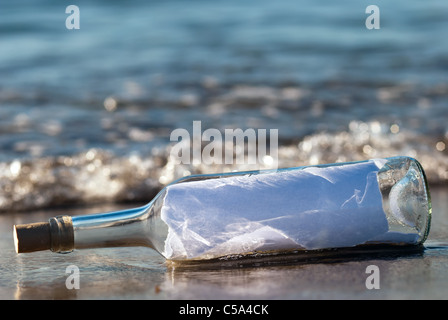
[{"x": 382, "y": 201}]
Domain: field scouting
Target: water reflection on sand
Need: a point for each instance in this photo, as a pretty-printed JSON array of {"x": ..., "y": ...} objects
[{"x": 140, "y": 273}]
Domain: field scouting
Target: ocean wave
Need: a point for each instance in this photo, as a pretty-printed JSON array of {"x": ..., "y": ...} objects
[{"x": 98, "y": 175}]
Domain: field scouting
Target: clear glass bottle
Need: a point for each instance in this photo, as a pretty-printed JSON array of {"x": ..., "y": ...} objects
[{"x": 379, "y": 201}]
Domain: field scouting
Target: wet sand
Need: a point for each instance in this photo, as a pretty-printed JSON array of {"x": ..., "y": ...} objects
[{"x": 140, "y": 273}]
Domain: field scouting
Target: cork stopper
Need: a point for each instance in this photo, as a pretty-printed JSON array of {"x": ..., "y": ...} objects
[
  {"x": 55, "y": 235},
  {"x": 32, "y": 237}
]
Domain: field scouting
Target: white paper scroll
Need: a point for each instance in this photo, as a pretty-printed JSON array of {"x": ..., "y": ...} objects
[{"x": 309, "y": 208}]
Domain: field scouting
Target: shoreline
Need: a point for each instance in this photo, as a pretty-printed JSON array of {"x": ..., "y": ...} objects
[{"x": 141, "y": 273}]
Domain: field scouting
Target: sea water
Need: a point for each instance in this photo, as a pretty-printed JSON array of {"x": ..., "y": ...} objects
[{"x": 86, "y": 115}]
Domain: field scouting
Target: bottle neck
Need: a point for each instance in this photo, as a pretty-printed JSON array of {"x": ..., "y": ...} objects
[{"x": 125, "y": 228}]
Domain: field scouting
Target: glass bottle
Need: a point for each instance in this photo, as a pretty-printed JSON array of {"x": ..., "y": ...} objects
[{"x": 374, "y": 202}]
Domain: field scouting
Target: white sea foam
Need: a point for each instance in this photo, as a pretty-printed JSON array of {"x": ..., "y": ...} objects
[{"x": 98, "y": 175}]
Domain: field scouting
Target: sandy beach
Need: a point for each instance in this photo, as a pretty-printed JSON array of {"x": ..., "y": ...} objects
[{"x": 141, "y": 273}]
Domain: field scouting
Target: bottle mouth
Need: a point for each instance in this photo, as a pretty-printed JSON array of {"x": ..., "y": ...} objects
[
  {"x": 55, "y": 235},
  {"x": 406, "y": 197}
]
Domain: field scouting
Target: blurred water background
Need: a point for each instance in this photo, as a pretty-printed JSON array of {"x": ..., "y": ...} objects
[{"x": 86, "y": 115}]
